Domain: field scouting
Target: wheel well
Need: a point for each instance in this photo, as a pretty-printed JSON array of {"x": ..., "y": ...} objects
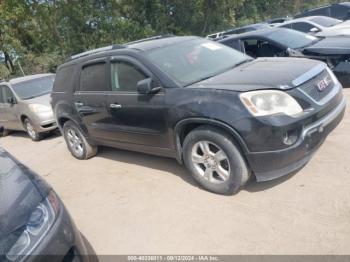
[
  {"x": 187, "y": 128},
  {"x": 23, "y": 117},
  {"x": 62, "y": 120}
]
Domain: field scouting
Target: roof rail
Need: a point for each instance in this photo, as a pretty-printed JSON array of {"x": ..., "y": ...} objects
[
  {"x": 95, "y": 51},
  {"x": 150, "y": 39}
]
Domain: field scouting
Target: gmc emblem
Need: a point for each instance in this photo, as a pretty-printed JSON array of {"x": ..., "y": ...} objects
[{"x": 323, "y": 84}]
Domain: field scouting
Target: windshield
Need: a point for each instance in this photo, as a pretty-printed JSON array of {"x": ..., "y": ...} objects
[
  {"x": 192, "y": 61},
  {"x": 291, "y": 38},
  {"x": 34, "y": 88},
  {"x": 326, "y": 21}
]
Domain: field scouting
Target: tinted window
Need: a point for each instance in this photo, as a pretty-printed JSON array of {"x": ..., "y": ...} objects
[
  {"x": 125, "y": 76},
  {"x": 289, "y": 26},
  {"x": 320, "y": 11},
  {"x": 34, "y": 88},
  {"x": 64, "y": 79},
  {"x": 233, "y": 43},
  {"x": 292, "y": 39},
  {"x": 339, "y": 11},
  {"x": 94, "y": 78},
  {"x": 194, "y": 60},
  {"x": 325, "y": 21},
  {"x": 302, "y": 27}
]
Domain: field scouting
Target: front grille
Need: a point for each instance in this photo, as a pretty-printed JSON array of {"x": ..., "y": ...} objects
[{"x": 318, "y": 87}]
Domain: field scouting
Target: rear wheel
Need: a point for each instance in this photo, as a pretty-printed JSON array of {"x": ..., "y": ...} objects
[
  {"x": 215, "y": 161},
  {"x": 77, "y": 143},
  {"x": 31, "y": 131}
]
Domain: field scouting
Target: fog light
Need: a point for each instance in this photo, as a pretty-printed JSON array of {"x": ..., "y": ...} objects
[{"x": 290, "y": 137}]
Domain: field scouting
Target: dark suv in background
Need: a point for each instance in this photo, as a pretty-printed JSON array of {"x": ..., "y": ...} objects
[
  {"x": 339, "y": 11},
  {"x": 217, "y": 110}
]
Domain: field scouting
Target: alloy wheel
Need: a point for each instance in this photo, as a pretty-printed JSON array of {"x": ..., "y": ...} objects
[
  {"x": 75, "y": 143},
  {"x": 210, "y": 162}
]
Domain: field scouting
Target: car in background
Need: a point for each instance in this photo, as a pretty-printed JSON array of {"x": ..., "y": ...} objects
[
  {"x": 25, "y": 105},
  {"x": 320, "y": 26},
  {"x": 238, "y": 30},
  {"x": 34, "y": 224},
  {"x": 339, "y": 11},
  {"x": 281, "y": 42},
  {"x": 277, "y": 21},
  {"x": 223, "y": 114}
]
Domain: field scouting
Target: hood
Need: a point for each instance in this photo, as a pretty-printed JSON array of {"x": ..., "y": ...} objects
[
  {"x": 20, "y": 193},
  {"x": 331, "y": 46},
  {"x": 334, "y": 31},
  {"x": 265, "y": 73},
  {"x": 42, "y": 100}
]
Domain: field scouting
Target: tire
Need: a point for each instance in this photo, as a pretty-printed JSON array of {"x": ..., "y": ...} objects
[
  {"x": 31, "y": 131},
  {"x": 4, "y": 132},
  {"x": 224, "y": 173},
  {"x": 77, "y": 143}
]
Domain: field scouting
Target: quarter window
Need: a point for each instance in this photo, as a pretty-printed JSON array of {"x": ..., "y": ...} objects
[
  {"x": 125, "y": 76},
  {"x": 93, "y": 78}
]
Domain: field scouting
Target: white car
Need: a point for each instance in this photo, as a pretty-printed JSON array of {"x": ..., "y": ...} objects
[{"x": 320, "y": 26}]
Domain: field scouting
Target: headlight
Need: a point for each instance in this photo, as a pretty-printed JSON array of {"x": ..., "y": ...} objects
[
  {"x": 37, "y": 108},
  {"x": 270, "y": 102},
  {"x": 38, "y": 225}
]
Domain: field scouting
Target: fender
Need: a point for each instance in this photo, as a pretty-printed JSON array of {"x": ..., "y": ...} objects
[{"x": 196, "y": 120}]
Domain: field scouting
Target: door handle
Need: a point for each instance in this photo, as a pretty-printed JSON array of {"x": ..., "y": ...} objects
[
  {"x": 79, "y": 104},
  {"x": 115, "y": 106}
]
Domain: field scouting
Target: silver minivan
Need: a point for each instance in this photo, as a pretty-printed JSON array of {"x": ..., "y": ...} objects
[{"x": 25, "y": 105}]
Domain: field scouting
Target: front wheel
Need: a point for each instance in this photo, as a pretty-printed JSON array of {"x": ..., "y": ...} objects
[
  {"x": 31, "y": 131},
  {"x": 215, "y": 161},
  {"x": 77, "y": 143}
]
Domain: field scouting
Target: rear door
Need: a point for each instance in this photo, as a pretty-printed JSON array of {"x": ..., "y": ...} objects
[
  {"x": 135, "y": 118},
  {"x": 90, "y": 99}
]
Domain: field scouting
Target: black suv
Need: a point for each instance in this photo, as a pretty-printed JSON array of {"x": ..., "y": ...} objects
[
  {"x": 339, "y": 11},
  {"x": 223, "y": 114}
]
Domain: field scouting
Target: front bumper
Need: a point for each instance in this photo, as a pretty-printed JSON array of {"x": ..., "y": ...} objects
[
  {"x": 273, "y": 164},
  {"x": 44, "y": 122},
  {"x": 63, "y": 242}
]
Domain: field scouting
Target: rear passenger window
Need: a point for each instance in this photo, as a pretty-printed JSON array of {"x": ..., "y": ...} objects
[
  {"x": 94, "y": 78},
  {"x": 125, "y": 76}
]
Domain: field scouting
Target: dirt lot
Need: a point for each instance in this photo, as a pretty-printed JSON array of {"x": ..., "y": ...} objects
[{"x": 130, "y": 203}]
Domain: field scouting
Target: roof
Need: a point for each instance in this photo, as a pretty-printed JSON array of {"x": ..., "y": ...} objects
[
  {"x": 160, "y": 42},
  {"x": 261, "y": 32},
  {"x": 27, "y": 78}
]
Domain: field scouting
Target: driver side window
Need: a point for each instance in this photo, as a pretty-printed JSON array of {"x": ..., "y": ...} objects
[{"x": 125, "y": 76}]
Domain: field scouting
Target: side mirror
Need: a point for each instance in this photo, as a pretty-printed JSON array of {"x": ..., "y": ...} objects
[
  {"x": 11, "y": 100},
  {"x": 145, "y": 87},
  {"x": 314, "y": 30}
]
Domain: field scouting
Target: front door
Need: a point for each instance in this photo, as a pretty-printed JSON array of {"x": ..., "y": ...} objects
[
  {"x": 9, "y": 117},
  {"x": 135, "y": 118}
]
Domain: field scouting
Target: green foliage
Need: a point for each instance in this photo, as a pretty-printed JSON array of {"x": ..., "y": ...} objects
[{"x": 42, "y": 33}]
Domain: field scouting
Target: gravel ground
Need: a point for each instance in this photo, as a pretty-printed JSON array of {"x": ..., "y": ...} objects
[{"x": 131, "y": 203}]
